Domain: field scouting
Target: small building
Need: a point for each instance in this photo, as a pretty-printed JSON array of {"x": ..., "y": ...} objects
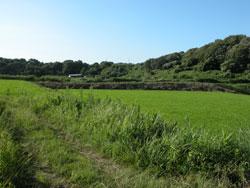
[{"x": 74, "y": 75}]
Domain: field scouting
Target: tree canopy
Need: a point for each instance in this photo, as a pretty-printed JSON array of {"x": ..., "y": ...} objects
[{"x": 231, "y": 55}]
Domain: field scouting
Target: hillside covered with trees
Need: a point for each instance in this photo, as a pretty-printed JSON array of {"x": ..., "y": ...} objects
[
  {"x": 221, "y": 58},
  {"x": 229, "y": 55}
]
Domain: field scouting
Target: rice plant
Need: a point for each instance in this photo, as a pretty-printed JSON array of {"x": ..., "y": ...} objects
[{"x": 149, "y": 142}]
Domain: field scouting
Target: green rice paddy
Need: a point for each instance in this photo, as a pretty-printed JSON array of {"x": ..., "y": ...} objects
[{"x": 212, "y": 110}]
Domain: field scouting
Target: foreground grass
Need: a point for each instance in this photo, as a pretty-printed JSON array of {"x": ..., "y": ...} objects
[
  {"x": 148, "y": 142},
  {"x": 59, "y": 161},
  {"x": 17, "y": 166},
  {"x": 146, "y": 151},
  {"x": 51, "y": 162}
]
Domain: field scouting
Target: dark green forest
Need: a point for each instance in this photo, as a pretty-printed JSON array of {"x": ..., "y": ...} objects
[
  {"x": 224, "y": 57},
  {"x": 229, "y": 55}
]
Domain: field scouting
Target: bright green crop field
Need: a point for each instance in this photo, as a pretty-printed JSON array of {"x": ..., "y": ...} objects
[
  {"x": 15, "y": 87},
  {"x": 213, "y": 110}
]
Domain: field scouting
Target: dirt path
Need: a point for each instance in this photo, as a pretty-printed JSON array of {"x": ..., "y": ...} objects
[
  {"x": 50, "y": 178},
  {"x": 111, "y": 170},
  {"x": 53, "y": 180}
]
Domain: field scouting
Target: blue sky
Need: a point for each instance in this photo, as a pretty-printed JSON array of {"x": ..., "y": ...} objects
[{"x": 116, "y": 30}]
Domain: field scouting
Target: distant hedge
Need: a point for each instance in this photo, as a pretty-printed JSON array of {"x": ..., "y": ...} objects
[{"x": 196, "y": 86}]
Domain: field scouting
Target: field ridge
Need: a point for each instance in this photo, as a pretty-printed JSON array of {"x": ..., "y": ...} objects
[{"x": 179, "y": 86}]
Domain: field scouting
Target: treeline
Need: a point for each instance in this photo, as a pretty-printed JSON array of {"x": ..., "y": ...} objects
[
  {"x": 37, "y": 68},
  {"x": 231, "y": 55}
]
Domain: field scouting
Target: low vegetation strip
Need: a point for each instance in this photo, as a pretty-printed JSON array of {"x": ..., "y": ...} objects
[{"x": 188, "y": 86}]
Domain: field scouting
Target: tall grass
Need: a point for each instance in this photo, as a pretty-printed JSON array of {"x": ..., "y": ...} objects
[
  {"x": 145, "y": 141},
  {"x": 149, "y": 142},
  {"x": 17, "y": 166}
]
